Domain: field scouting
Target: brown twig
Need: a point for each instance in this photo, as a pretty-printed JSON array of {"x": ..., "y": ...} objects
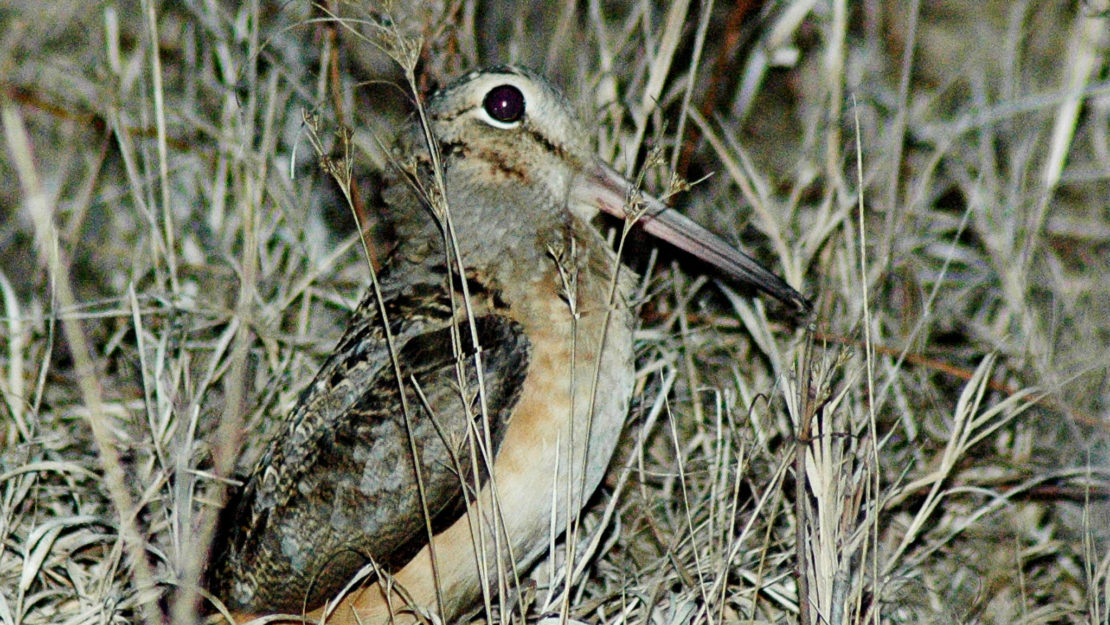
[{"x": 721, "y": 78}]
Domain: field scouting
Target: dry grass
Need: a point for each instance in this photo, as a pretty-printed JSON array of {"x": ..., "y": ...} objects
[{"x": 174, "y": 266}]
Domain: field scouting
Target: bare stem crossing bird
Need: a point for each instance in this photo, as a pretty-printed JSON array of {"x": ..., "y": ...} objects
[{"x": 476, "y": 404}]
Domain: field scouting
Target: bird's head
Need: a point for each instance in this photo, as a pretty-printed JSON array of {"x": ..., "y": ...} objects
[{"x": 517, "y": 160}]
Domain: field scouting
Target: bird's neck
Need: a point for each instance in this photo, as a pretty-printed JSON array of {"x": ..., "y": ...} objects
[
  {"x": 572, "y": 260},
  {"x": 514, "y": 235}
]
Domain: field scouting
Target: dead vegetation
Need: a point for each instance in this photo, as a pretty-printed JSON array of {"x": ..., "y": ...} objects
[{"x": 174, "y": 266}]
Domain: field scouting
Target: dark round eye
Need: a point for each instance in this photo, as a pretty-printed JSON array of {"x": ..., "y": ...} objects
[{"x": 505, "y": 104}]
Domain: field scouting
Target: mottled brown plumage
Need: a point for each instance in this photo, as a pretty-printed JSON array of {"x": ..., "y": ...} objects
[
  {"x": 503, "y": 456},
  {"x": 336, "y": 484}
]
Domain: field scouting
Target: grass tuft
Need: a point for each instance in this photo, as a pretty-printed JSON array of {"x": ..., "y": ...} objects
[{"x": 175, "y": 266}]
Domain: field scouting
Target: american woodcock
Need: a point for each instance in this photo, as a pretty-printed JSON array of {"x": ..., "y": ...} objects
[{"x": 516, "y": 370}]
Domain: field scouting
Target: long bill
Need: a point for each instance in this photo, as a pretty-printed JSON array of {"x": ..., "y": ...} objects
[{"x": 610, "y": 192}]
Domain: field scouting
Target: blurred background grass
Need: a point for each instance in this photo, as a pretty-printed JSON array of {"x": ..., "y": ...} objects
[{"x": 174, "y": 266}]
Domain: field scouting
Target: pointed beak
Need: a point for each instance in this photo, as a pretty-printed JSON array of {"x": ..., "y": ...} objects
[{"x": 601, "y": 186}]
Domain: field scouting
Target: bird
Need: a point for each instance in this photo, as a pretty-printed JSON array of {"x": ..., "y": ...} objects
[{"x": 478, "y": 393}]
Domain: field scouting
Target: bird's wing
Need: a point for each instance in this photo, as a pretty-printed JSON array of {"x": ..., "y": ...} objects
[{"x": 338, "y": 486}]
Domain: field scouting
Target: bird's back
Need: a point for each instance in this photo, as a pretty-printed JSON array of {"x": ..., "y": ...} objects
[{"x": 336, "y": 487}]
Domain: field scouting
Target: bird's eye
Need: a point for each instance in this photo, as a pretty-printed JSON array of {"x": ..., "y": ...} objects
[{"x": 504, "y": 104}]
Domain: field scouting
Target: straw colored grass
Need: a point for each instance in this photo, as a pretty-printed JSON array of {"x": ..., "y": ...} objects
[{"x": 175, "y": 266}]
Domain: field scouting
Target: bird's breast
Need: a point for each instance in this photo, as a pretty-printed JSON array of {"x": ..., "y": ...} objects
[{"x": 574, "y": 399}]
